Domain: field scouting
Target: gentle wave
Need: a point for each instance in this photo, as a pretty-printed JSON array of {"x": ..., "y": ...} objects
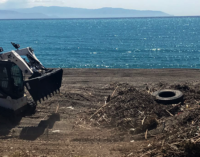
[{"x": 108, "y": 43}]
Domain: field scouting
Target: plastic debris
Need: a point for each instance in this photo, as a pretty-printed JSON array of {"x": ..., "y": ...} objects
[{"x": 70, "y": 107}]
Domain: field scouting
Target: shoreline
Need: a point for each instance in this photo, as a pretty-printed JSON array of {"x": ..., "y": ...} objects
[
  {"x": 133, "y": 76},
  {"x": 197, "y": 16}
]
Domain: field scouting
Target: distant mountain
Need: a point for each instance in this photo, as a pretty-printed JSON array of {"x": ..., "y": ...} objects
[
  {"x": 67, "y": 12},
  {"x": 7, "y": 14}
]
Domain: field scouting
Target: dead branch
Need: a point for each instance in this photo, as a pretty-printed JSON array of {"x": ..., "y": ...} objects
[
  {"x": 163, "y": 143},
  {"x": 57, "y": 108},
  {"x": 148, "y": 152},
  {"x": 146, "y": 134},
  {"x": 114, "y": 91},
  {"x": 104, "y": 104},
  {"x": 98, "y": 110},
  {"x": 143, "y": 120},
  {"x": 169, "y": 113},
  {"x": 197, "y": 140},
  {"x": 172, "y": 146}
]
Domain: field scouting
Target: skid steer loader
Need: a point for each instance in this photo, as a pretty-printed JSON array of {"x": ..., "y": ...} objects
[{"x": 16, "y": 73}]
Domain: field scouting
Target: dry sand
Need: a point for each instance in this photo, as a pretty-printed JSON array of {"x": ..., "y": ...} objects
[{"x": 69, "y": 133}]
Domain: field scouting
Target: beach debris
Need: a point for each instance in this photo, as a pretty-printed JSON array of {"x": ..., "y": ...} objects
[
  {"x": 57, "y": 108},
  {"x": 168, "y": 96},
  {"x": 56, "y": 131},
  {"x": 70, "y": 107},
  {"x": 146, "y": 134},
  {"x": 129, "y": 154},
  {"x": 143, "y": 120},
  {"x": 114, "y": 91},
  {"x": 174, "y": 127},
  {"x": 169, "y": 113}
]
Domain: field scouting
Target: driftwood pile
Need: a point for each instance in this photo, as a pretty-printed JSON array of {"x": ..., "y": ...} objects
[{"x": 174, "y": 129}]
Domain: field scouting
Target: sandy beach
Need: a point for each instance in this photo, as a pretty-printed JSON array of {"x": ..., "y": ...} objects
[{"x": 60, "y": 127}]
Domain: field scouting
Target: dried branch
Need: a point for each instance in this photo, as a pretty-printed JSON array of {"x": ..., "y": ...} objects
[
  {"x": 148, "y": 152},
  {"x": 169, "y": 113},
  {"x": 98, "y": 110},
  {"x": 114, "y": 91},
  {"x": 57, "y": 108},
  {"x": 146, "y": 134},
  {"x": 143, "y": 120}
]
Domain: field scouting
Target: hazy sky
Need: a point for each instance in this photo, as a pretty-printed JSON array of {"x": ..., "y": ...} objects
[{"x": 173, "y": 7}]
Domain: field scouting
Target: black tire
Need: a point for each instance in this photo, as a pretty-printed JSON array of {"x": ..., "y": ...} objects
[{"x": 168, "y": 96}]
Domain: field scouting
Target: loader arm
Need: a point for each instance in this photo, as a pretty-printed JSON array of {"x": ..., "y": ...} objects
[{"x": 34, "y": 63}]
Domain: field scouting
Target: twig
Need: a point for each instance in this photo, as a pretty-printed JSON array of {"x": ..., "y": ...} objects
[
  {"x": 130, "y": 154},
  {"x": 176, "y": 143},
  {"x": 114, "y": 91},
  {"x": 195, "y": 137},
  {"x": 172, "y": 146},
  {"x": 44, "y": 117},
  {"x": 57, "y": 108},
  {"x": 169, "y": 113},
  {"x": 197, "y": 141},
  {"x": 143, "y": 120},
  {"x": 84, "y": 127},
  {"x": 104, "y": 104},
  {"x": 99, "y": 110},
  {"x": 146, "y": 134},
  {"x": 174, "y": 107},
  {"x": 148, "y": 152},
  {"x": 100, "y": 119}
]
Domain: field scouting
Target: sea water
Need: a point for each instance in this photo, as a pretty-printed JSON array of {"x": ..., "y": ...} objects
[{"x": 108, "y": 43}]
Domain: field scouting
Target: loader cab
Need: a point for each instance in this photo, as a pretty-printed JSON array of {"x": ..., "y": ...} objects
[{"x": 11, "y": 80}]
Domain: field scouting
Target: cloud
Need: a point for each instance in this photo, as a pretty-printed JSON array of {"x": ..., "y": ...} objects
[
  {"x": 3, "y": 1},
  {"x": 14, "y": 4},
  {"x": 11, "y": 4}
]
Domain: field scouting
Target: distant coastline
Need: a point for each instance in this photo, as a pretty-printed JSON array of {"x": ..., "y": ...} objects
[
  {"x": 54, "y": 12},
  {"x": 103, "y": 18}
]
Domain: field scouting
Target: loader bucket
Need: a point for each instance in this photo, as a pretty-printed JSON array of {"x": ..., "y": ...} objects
[{"x": 45, "y": 85}]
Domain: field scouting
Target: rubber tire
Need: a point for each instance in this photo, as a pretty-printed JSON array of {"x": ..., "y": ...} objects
[{"x": 169, "y": 100}]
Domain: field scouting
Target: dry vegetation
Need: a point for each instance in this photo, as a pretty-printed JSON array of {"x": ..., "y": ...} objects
[{"x": 172, "y": 130}]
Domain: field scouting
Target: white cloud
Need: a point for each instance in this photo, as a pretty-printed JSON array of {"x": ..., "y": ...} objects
[{"x": 3, "y": 1}]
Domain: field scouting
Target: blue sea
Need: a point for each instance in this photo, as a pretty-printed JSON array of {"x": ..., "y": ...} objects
[{"x": 108, "y": 43}]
